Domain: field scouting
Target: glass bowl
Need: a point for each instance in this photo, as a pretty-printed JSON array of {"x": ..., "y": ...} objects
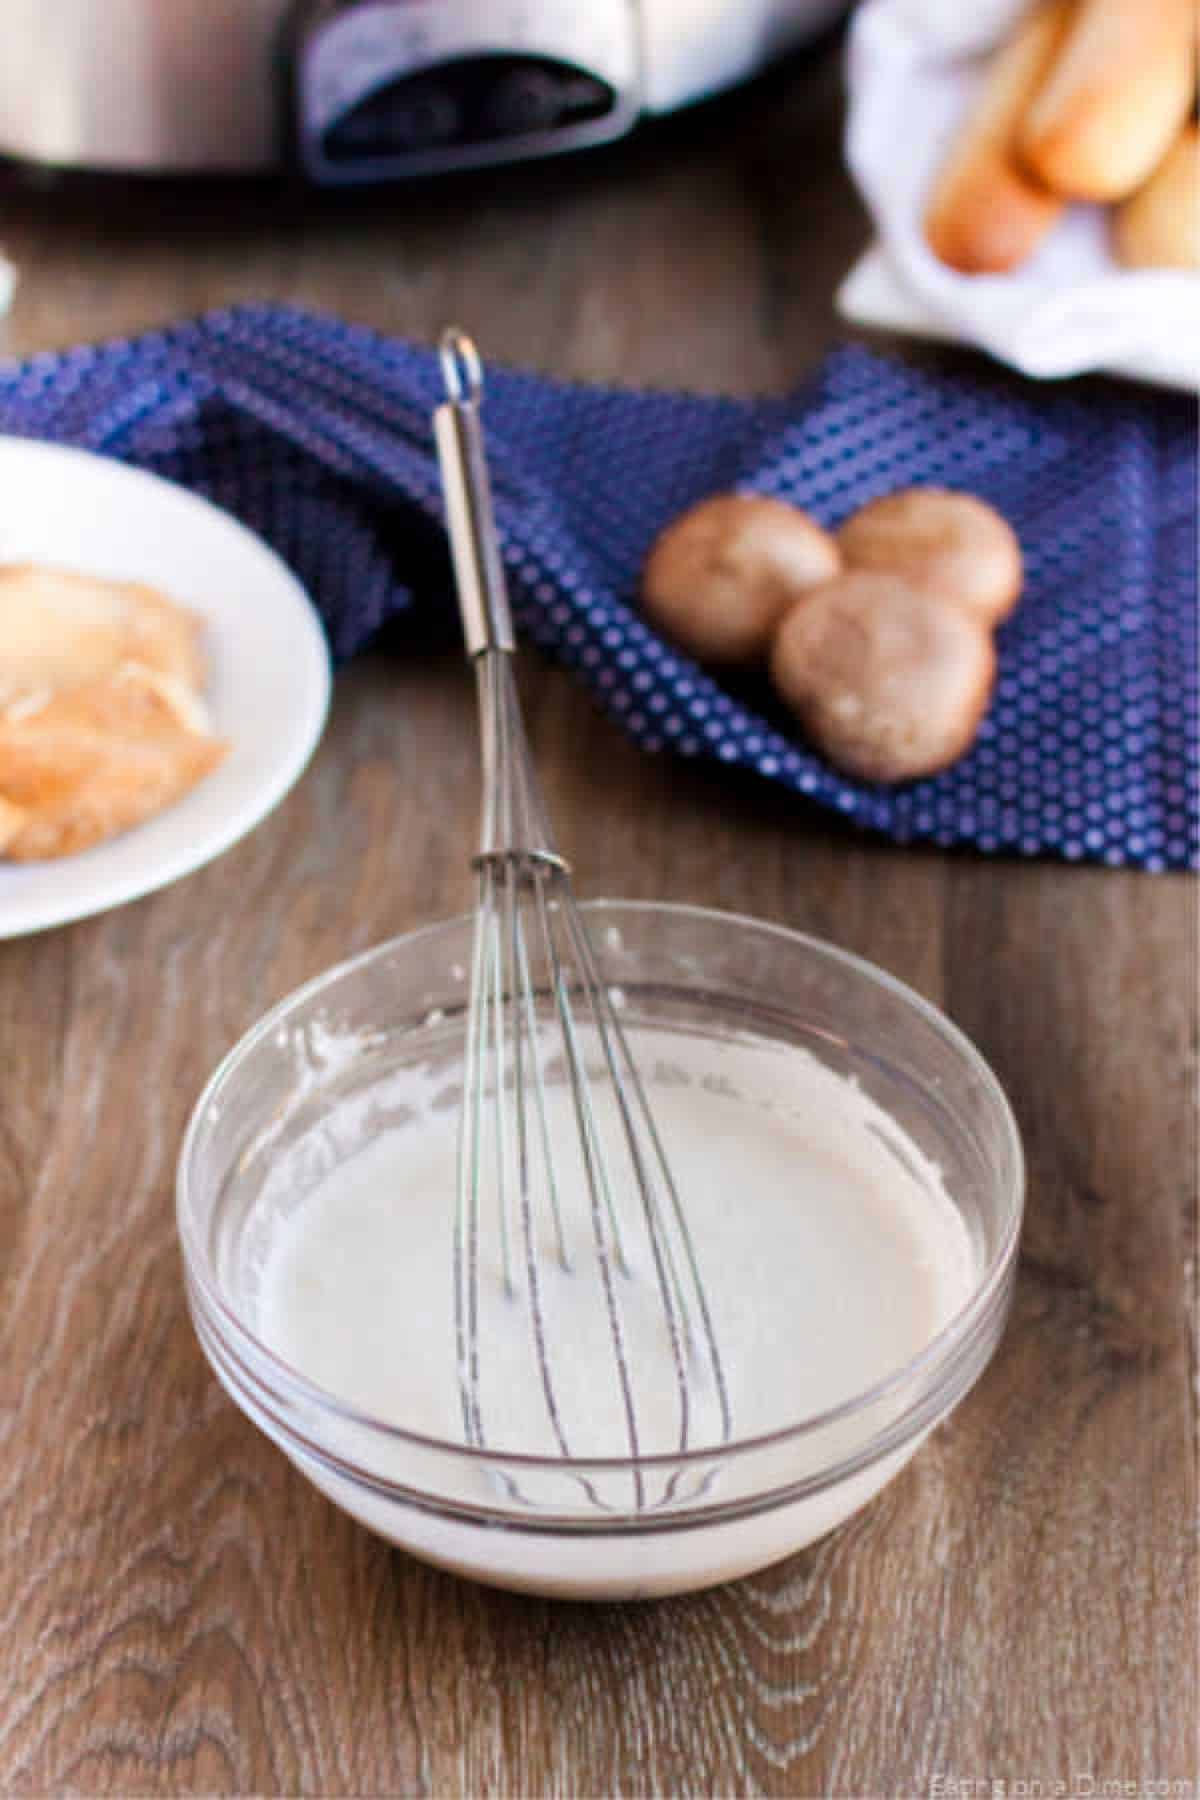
[{"x": 308, "y": 1087}]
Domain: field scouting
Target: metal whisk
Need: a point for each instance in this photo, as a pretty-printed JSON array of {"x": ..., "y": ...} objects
[{"x": 540, "y": 1013}]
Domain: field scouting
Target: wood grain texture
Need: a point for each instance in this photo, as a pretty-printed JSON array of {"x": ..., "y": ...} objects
[{"x": 179, "y": 1612}]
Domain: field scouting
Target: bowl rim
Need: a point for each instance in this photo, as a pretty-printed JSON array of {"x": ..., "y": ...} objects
[{"x": 956, "y": 1335}]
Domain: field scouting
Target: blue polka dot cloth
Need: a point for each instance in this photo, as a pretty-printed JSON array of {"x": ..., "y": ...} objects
[{"x": 317, "y": 435}]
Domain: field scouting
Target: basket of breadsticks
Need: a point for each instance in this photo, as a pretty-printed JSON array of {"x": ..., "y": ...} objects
[{"x": 1032, "y": 169}]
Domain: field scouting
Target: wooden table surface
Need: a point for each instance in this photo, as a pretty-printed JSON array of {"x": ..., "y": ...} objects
[{"x": 179, "y": 1611}]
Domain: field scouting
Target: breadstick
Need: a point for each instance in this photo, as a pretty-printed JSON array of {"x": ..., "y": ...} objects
[
  {"x": 987, "y": 213},
  {"x": 1159, "y": 226},
  {"x": 1113, "y": 99}
]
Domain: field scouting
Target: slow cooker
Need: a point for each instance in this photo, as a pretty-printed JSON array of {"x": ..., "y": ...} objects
[{"x": 359, "y": 90}]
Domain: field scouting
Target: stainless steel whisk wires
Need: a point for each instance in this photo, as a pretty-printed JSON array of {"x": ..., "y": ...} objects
[{"x": 527, "y": 921}]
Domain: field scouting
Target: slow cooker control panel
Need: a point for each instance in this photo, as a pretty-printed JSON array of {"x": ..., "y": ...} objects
[{"x": 386, "y": 88}]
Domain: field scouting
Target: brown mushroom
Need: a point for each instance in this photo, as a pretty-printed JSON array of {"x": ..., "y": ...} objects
[
  {"x": 720, "y": 577},
  {"x": 890, "y": 682},
  {"x": 953, "y": 545}
]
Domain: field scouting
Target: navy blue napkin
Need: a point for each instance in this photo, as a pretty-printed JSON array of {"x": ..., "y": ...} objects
[{"x": 317, "y": 435}]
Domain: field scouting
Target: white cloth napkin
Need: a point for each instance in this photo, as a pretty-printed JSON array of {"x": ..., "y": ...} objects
[{"x": 913, "y": 66}]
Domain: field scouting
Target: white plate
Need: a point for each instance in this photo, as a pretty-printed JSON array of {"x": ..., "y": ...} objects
[{"x": 268, "y": 686}]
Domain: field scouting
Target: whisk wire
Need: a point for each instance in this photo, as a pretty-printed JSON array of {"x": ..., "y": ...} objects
[
  {"x": 605, "y": 1231},
  {"x": 525, "y": 988},
  {"x": 607, "y": 1027},
  {"x": 611, "y": 1032},
  {"x": 520, "y": 999},
  {"x": 500, "y": 1101},
  {"x": 466, "y": 1217}
]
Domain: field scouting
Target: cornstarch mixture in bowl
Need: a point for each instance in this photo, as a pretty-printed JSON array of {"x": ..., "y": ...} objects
[{"x": 830, "y": 1252}]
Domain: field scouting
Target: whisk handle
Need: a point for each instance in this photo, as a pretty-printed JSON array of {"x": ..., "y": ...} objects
[{"x": 458, "y": 433}]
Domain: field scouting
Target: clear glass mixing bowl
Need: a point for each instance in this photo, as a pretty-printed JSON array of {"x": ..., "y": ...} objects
[{"x": 308, "y": 1086}]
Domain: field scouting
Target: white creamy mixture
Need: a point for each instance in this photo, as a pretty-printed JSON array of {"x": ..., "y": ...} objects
[{"x": 829, "y": 1250}]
